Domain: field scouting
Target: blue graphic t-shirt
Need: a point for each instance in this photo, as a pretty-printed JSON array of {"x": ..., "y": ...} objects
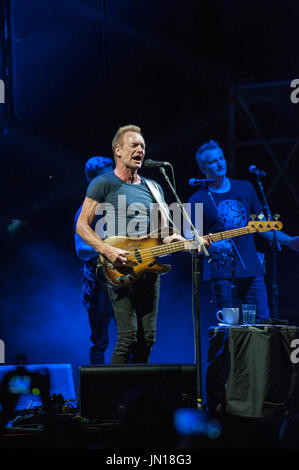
[{"x": 236, "y": 257}]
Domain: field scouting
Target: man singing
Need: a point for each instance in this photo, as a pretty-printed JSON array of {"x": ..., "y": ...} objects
[{"x": 135, "y": 305}]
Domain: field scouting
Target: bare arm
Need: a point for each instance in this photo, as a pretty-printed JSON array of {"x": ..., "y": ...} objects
[
  {"x": 84, "y": 230},
  {"x": 284, "y": 239}
]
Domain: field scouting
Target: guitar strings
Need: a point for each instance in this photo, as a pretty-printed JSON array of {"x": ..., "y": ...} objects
[
  {"x": 176, "y": 245},
  {"x": 148, "y": 253}
]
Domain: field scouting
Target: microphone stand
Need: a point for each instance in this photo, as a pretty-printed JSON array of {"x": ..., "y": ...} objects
[
  {"x": 195, "y": 282},
  {"x": 275, "y": 249}
]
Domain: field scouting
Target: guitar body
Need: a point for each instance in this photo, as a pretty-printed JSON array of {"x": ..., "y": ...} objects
[{"x": 141, "y": 261}]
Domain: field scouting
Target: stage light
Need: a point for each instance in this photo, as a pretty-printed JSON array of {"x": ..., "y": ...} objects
[{"x": 190, "y": 421}]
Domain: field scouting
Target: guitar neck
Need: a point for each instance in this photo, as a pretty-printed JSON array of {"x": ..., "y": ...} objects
[{"x": 214, "y": 237}]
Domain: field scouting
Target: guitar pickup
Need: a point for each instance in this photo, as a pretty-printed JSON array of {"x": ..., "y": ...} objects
[{"x": 138, "y": 256}]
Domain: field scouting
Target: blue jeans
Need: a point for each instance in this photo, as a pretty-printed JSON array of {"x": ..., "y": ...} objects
[
  {"x": 96, "y": 301},
  {"x": 249, "y": 290}
]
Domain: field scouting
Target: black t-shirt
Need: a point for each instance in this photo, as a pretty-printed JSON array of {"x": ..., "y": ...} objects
[
  {"x": 126, "y": 207},
  {"x": 233, "y": 210}
]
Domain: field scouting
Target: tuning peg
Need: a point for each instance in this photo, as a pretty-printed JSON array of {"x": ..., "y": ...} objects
[
  {"x": 276, "y": 216},
  {"x": 252, "y": 216},
  {"x": 260, "y": 216}
]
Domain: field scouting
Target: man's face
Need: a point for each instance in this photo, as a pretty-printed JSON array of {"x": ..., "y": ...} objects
[
  {"x": 215, "y": 164},
  {"x": 131, "y": 153}
]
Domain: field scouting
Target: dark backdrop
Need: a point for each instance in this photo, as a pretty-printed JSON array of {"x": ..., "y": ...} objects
[{"x": 77, "y": 70}]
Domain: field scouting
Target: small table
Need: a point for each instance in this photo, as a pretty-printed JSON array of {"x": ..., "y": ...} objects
[{"x": 251, "y": 370}]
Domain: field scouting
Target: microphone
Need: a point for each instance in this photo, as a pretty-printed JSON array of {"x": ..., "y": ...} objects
[
  {"x": 152, "y": 163},
  {"x": 197, "y": 182},
  {"x": 255, "y": 171}
]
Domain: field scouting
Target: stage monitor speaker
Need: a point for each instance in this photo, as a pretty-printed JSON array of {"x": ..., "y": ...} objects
[
  {"x": 61, "y": 382},
  {"x": 104, "y": 390}
]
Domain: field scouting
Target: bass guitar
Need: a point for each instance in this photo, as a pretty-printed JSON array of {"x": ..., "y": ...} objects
[{"x": 145, "y": 251}]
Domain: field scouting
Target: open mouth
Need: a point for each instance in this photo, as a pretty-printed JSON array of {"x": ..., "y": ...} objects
[{"x": 137, "y": 159}]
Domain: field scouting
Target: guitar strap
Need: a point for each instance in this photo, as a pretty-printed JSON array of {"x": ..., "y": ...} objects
[{"x": 156, "y": 192}]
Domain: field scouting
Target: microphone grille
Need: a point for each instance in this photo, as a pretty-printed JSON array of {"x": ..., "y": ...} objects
[{"x": 147, "y": 162}]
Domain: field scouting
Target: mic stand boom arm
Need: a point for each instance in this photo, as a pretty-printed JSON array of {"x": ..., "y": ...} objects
[{"x": 195, "y": 281}]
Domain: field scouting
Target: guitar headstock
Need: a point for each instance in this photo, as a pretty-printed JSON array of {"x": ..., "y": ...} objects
[{"x": 264, "y": 225}]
